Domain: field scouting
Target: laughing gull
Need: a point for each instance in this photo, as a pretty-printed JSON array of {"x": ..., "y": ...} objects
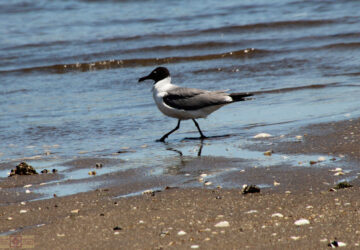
[{"x": 186, "y": 103}]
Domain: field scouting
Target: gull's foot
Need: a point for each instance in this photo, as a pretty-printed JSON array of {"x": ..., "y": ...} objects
[
  {"x": 162, "y": 139},
  {"x": 202, "y": 137}
]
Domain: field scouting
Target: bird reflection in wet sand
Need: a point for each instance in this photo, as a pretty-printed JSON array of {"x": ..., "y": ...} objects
[
  {"x": 180, "y": 152},
  {"x": 179, "y": 168}
]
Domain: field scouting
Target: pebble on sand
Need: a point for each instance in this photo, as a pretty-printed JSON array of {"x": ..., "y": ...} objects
[
  {"x": 336, "y": 243},
  {"x": 253, "y": 211},
  {"x": 92, "y": 173},
  {"x": 75, "y": 211},
  {"x": 262, "y": 135},
  {"x": 22, "y": 211},
  {"x": 321, "y": 158},
  {"x": 250, "y": 189},
  {"x": 222, "y": 224},
  {"x": 302, "y": 222},
  {"x": 336, "y": 170},
  {"x": 164, "y": 233},
  {"x": 277, "y": 215},
  {"x": 181, "y": 233},
  {"x": 268, "y": 153},
  {"x": 148, "y": 191},
  {"x": 299, "y": 137},
  {"x": 117, "y": 228},
  {"x": 342, "y": 185},
  {"x": 195, "y": 246}
]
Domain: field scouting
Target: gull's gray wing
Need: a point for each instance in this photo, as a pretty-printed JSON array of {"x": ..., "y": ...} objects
[{"x": 192, "y": 99}]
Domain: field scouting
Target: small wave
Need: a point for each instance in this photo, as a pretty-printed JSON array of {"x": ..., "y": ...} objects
[
  {"x": 272, "y": 25},
  {"x": 263, "y": 67},
  {"x": 13, "y": 91},
  {"x": 41, "y": 44},
  {"x": 257, "y": 27},
  {"x": 327, "y": 37},
  {"x": 8, "y": 7},
  {"x": 352, "y": 74},
  {"x": 347, "y": 35},
  {"x": 345, "y": 74},
  {"x": 200, "y": 45},
  {"x": 109, "y": 64},
  {"x": 354, "y": 45},
  {"x": 165, "y": 48},
  {"x": 331, "y": 46},
  {"x": 197, "y": 46}
]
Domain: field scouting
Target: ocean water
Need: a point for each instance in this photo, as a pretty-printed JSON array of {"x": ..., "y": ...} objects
[{"x": 69, "y": 74}]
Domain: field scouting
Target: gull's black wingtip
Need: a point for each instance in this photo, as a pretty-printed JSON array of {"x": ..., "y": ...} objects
[{"x": 237, "y": 97}]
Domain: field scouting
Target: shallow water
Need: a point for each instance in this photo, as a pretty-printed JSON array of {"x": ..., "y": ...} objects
[{"x": 69, "y": 73}]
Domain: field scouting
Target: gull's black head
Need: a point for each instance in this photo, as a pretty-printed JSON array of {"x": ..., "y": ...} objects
[{"x": 157, "y": 74}]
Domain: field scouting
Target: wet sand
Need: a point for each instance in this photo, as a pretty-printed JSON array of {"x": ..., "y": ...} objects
[
  {"x": 102, "y": 219},
  {"x": 336, "y": 139}
]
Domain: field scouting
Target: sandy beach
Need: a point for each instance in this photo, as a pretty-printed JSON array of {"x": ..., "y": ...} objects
[{"x": 209, "y": 217}]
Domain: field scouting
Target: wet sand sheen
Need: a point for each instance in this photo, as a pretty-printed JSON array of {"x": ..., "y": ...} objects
[
  {"x": 154, "y": 220},
  {"x": 289, "y": 163}
]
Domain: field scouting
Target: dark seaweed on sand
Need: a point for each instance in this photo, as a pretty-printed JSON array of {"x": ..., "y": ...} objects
[{"x": 23, "y": 169}]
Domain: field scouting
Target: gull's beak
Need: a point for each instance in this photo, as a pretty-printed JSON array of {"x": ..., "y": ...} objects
[{"x": 143, "y": 78}]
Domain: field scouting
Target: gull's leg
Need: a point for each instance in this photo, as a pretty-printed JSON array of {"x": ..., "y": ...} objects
[
  {"x": 202, "y": 136},
  {"x": 162, "y": 139}
]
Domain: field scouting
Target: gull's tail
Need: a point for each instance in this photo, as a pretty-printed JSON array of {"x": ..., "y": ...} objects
[{"x": 237, "y": 97}]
